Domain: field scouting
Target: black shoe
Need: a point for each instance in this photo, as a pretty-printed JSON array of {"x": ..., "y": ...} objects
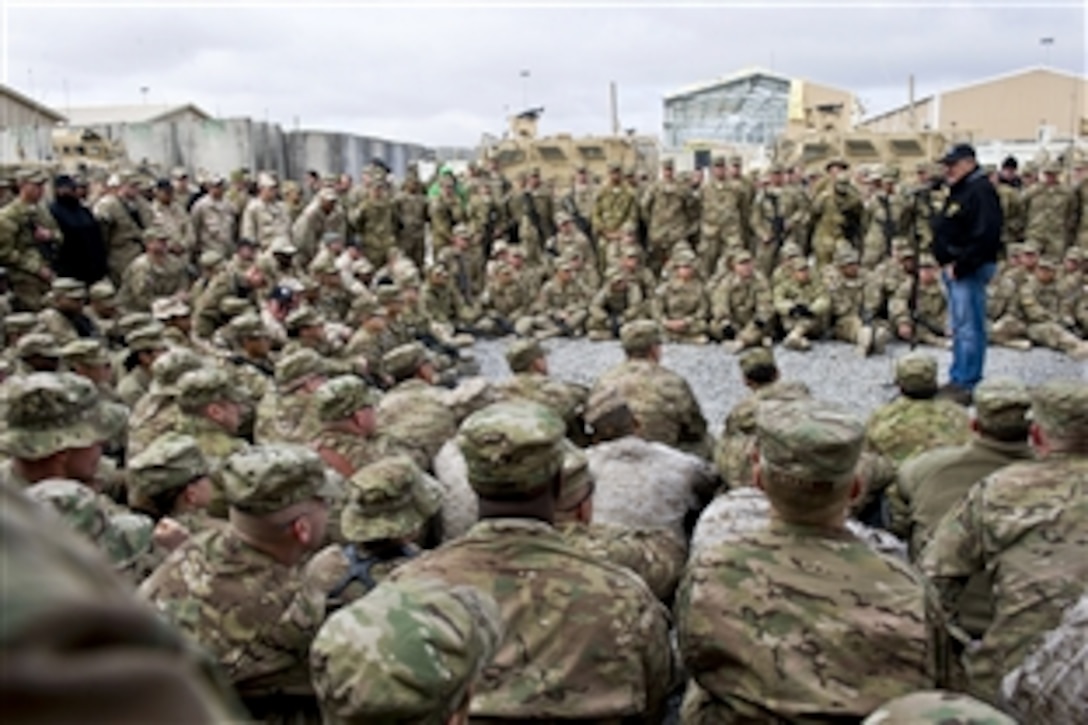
[{"x": 953, "y": 392}]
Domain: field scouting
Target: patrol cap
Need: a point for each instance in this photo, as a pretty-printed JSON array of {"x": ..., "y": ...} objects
[
  {"x": 169, "y": 308},
  {"x": 363, "y": 308},
  {"x": 1048, "y": 262},
  {"x": 84, "y": 351},
  {"x": 20, "y": 322},
  {"x": 37, "y": 344},
  {"x": 1052, "y": 167},
  {"x": 404, "y": 360},
  {"x": 266, "y": 479},
  {"x": 302, "y": 317},
  {"x": 389, "y": 499},
  {"x": 607, "y": 410},
  {"x": 460, "y": 230},
  {"x": 916, "y": 372},
  {"x": 31, "y": 176},
  {"x": 1029, "y": 247},
  {"x": 148, "y": 337},
  {"x": 324, "y": 265},
  {"x": 294, "y": 368},
  {"x": 937, "y": 708},
  {"x": 232, "y": 306},
  {"x": 266, "y": 181},
  {"x": 282, "y": 245},
  {"x": 328, "y": 194},
  {"x": 170, "y": 366},
  {"x": 102, "y": 290},
  {"x": 1060, "y": 407},
  {"x": 172, "y": 461},
  {"x": 204, "y": 386},
  {"x": 50, "y": 412},
  {"x": 640, "y": 335},
  {"x": 342, "y": 396},
  {"x": 133, "y": 321},
  {"x": 927, "y": 260},
  {"x": 577, "y": 481},
  {"x": 683, "y": 258},
  {"x": 1074, "y": 254},
  {"x": 521, "y": 354},
  {"x": 846, "y": 256},
  {"x": 1001, "y": 404},
  {"x": 755, "y": 358},
  {"x": 407, "y": 652},
  {"x": 511, "y": 449},
  {"x": 248, "y": 325},
  {"x": 73, "y": 289},
  {"x": 800, "y": 263},
  {"x": 387, "y": 293},
  {"x": 210, "y": 258},
  {"x": 154, "y": 232},
  {"x": 718, "y": 161},
  {"x": 809, "y": 439}
]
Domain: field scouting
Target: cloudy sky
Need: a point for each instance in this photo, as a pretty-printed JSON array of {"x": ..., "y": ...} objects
[{"x": 443, "y": 73}]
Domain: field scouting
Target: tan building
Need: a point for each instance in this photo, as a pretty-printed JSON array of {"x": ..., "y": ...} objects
[
  {"x": 19, "y": 111},
  {"x": 93, "y": 116},
  {"x": 1027, "y": 106}
]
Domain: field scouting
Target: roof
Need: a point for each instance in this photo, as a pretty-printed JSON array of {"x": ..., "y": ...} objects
[
  {"x": 723, "y": 80},
  {"x": 142, "y": 113},
  {"x": 973, "y": 84},
  {"x": 30, "y": 103}
]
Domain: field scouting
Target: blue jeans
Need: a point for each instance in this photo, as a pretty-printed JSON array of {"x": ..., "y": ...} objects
[{"x": 967, "y": 309}]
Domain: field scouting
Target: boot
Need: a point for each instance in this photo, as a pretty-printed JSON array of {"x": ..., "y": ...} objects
[
  {"x": 796, "y": 340},
  {"x": 881, "y": 338},
  {"x": 1016, "y": 343},
  {"x": 1080, "y": 352},
  {"x": 865, "y": 341}
]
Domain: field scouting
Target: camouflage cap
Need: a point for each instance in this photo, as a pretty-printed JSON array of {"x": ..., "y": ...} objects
[
  {"x": 460, "y": 230},
  {"x": 1048, "y": 262},
  {"x": 50, "y": 412},
  {"x": 37, "y": 344},
  {"x": 340, "y": 397},
  {"x": 171, "y": 365},
  {"x": 266, "y": 479},
  {"x": 916, "y": 372},
  {"x": 1001, "y": 404},
  {"x": 324, "y": 265},
  {"x": 282, "y": 245},
  {"x": 407, "y": 652},
  {"x": 167, "y": 308},
  {"x": 204, "y": 386},
  {"x": 1029, "y": 247},
  {"x": 171, "y": 461},
  {"x": 296, "y": 367},
  {"x": 404, "y": 360},
  {"x": 148, "y": 337},
  {"x": 937, "y": 708},
  {"x": 231, "y": 306},
  {"x": 247, "y": 325},
  {"x": 328, "y": 194},
  {"x": 925, "y": 259},
  {"x": 85, "y": 351},
  {"x": 303, "y": 317},
  {"x": 210, "y": 258},
  {"x": 754, "y": 358},
  {"x": 387, "y": 293},
  {"x": 511, "y": 449},
  {"x": 522, "y": 353},
  {"x": 361, "y": 267},
  {"x": 155, "y": 232},
  {"x": 846, "y": 255},
  {"x": 1060, "y": 407},
  {"x": 742, "y": 256},
  {"x": 1074, "y": 254},
  {"x": 683, "y": 257},
  {"x": 20, "y": 322},
  {"x": 577, "y": 481},
  {"x": 31, "y": 176},
  {"x": 363, "y": 308},
  {"x": 133, "y": 321},
  {"x": 809, "y": 439},
  {"x": 389, "y": 499},
  {"x": 67, "y": 287},
  {"x": 640, "y": 335}
]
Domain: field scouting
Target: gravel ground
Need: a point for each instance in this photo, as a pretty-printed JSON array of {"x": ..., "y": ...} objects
[{"x": 831, "y": 369}]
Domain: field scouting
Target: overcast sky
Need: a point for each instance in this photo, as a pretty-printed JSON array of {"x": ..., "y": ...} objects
[{"x": 441, "y": 74}]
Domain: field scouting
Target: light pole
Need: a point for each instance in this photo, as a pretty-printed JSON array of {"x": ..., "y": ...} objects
[
  {"x": 143, "y": 93},
  {"x": 1047, "y": 43},
  {"x": 524, "y": 89}
]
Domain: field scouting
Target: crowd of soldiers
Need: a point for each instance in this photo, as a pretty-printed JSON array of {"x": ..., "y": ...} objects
[{"x": 222, "y": 497}]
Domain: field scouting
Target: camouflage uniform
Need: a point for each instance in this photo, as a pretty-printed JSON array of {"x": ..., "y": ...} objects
[
  {"x": 936, "y": 707},
  {"x": 408, "y": 652},
  {"x": 1026, "y": 526},
  {"x": 668, "y": 208},
  {"x": 122, "y": 222},
  {"x": 388, "y": 504},
  {"x": 776, "y": 213},
  {"x": 837, "y": 212},
  {"x": 741, "y": 307},
  {"x": 684, "y": 302},
  {"x": 171, "y": 463},
  {"x": 908, "y": 425},
  {"x": 660, "y": 399},
  {"x": 410, "y": 205},
  {"x": 505, "y": 303},
  {"x": 173, "y": 219},
  {"x": 530, "y": 237},
  {"x": 256, "y": 615},
  {"x": 851, "y": 320},
  {"x": 931, "y": 312},
  {"x": 415, "y": 419},
  {"x": 157, "y": 412},
  {"x": 619, "y": 301},
  {"x": 614, "y": 207},
  {"x": 20, "y": 252},
  {"x": 1041, "y": 304},
  {"x": 264, "y": 221},
  {"x": 567, "y": 400},
  {"x": 722, "y": 225},
  {"x": 884, "y": 223},
  {"x": 374, "y": 222},
  {"x": 795, "y": 622},
  {"x": 616, "y": 662},
  {"x": 446, "y": 211},
  {"x": 337, "y": 399},
  {"x": 147, "y": 279},
  {"x": 803, "y": 307},
  {"x": 1050, "y": 215},
  {"x": 213, "y": 225}
]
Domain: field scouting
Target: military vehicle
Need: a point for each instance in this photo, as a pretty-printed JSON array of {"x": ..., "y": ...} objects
[
  {"x": 83, "y": 150},
  {"x": 560, "y": 155}
]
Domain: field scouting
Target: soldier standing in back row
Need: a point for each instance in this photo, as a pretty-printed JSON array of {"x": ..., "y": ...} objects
[
  {"x": 776, "y": 213},
  {"x": 837, "y": 213},
  {"x": 1050, "y": 213},
  {"x": 534, "y": 213},
  {"x": 266, "y": 217},
  {"x": 27, "y": 233},
  {"x": 722, "y": 225},
  {"x": 614, "y": 209},
  {"x": 123, "y": 221},
  {"x": 667, "y": 208}
]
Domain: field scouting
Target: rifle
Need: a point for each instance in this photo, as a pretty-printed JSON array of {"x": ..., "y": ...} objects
[
  {"x": 778, "y": 224},
  {"x": 887, "y": 226},
  {"x": 489, "y": 229},
  {"x": 915, "y": 243},
  {"x": 534, "y": 217},
  {"x": 581, "y": 222}
]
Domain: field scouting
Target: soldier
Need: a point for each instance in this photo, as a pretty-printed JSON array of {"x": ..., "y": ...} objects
[
  {"x": 619, "y": 301},
  {"x": 918, "y": 420},
  {"x": 1080, "y": 193},
  {"x": 143, "y": 346},
  {"x": 387, "y": 508},
  {"x": 311, "y": 226},
  {"x": 514, "y": 459},
  {"x": 569, "y": 239},
  {"x": 37, "y": 352},
  {"x": 505, "y": 304},
  {"x": 614, "y": 208},
  {"x": 1025, "y": 526},
  {"x": 721, "y": 225},
  {"x": 155, "y": 273},
  {"x": 102, "y": 309},
  {"x": 836, "y": 212},
  {"x": 65, "y": 319},
  {"x": 528, "y": 362},
  {"x": 28, "y": 240},
  {"x": 87, "y": 358},
  {"x": 410, "y": 208},
  {"x": 1012, "y": 211},
  {"x": 213, "y": 219},
  {"x": 239, "y": 592},
  {"x": 803, "y": 306},
  {"x": 170, "y": 478},
  {"x": 928, "y": 321},
  {"x": 415, "y": 419},
  {"x": 733, "y": 452},
  {"x": 807, "y": 452},
  {"x": 680, "y": 304},
  {"x": 660, "y": 399},
  {"x": 122, "y": 219},
  {"x": 562, "y": 306},
  {"x": 346, "y": 441},
  {"x": 851, "y": 320},
  {"x": 1050, "y": 213},
  {"x": 776, "y": 213},
  {"x": 668, "y": 209},
  {"x": 280, "y": 264},
  {"x": 533, "y": 211},
  {"x": 371, "y": 338},
  {"x": 883, "y": 221},
  {"x": 286, "y": 413},
  {"x": 170, "y": 215},
  {"x": 446, "y": 211},
  {"x": 367, "y": 664},
  {"x": 266, "y": 217},
  {"x": 375, "y": 224},
  {"x": 444, "y": 304},
  {"x": 157, "y": 412},
  {"x": 1041, "y": 304},
  {"x": 176, "y": 317}
]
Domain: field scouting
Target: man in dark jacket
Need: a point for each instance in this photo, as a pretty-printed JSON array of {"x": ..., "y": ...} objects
[
  {"x": 966, "y": 242},
  {"x": 82, "y": 255}
]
